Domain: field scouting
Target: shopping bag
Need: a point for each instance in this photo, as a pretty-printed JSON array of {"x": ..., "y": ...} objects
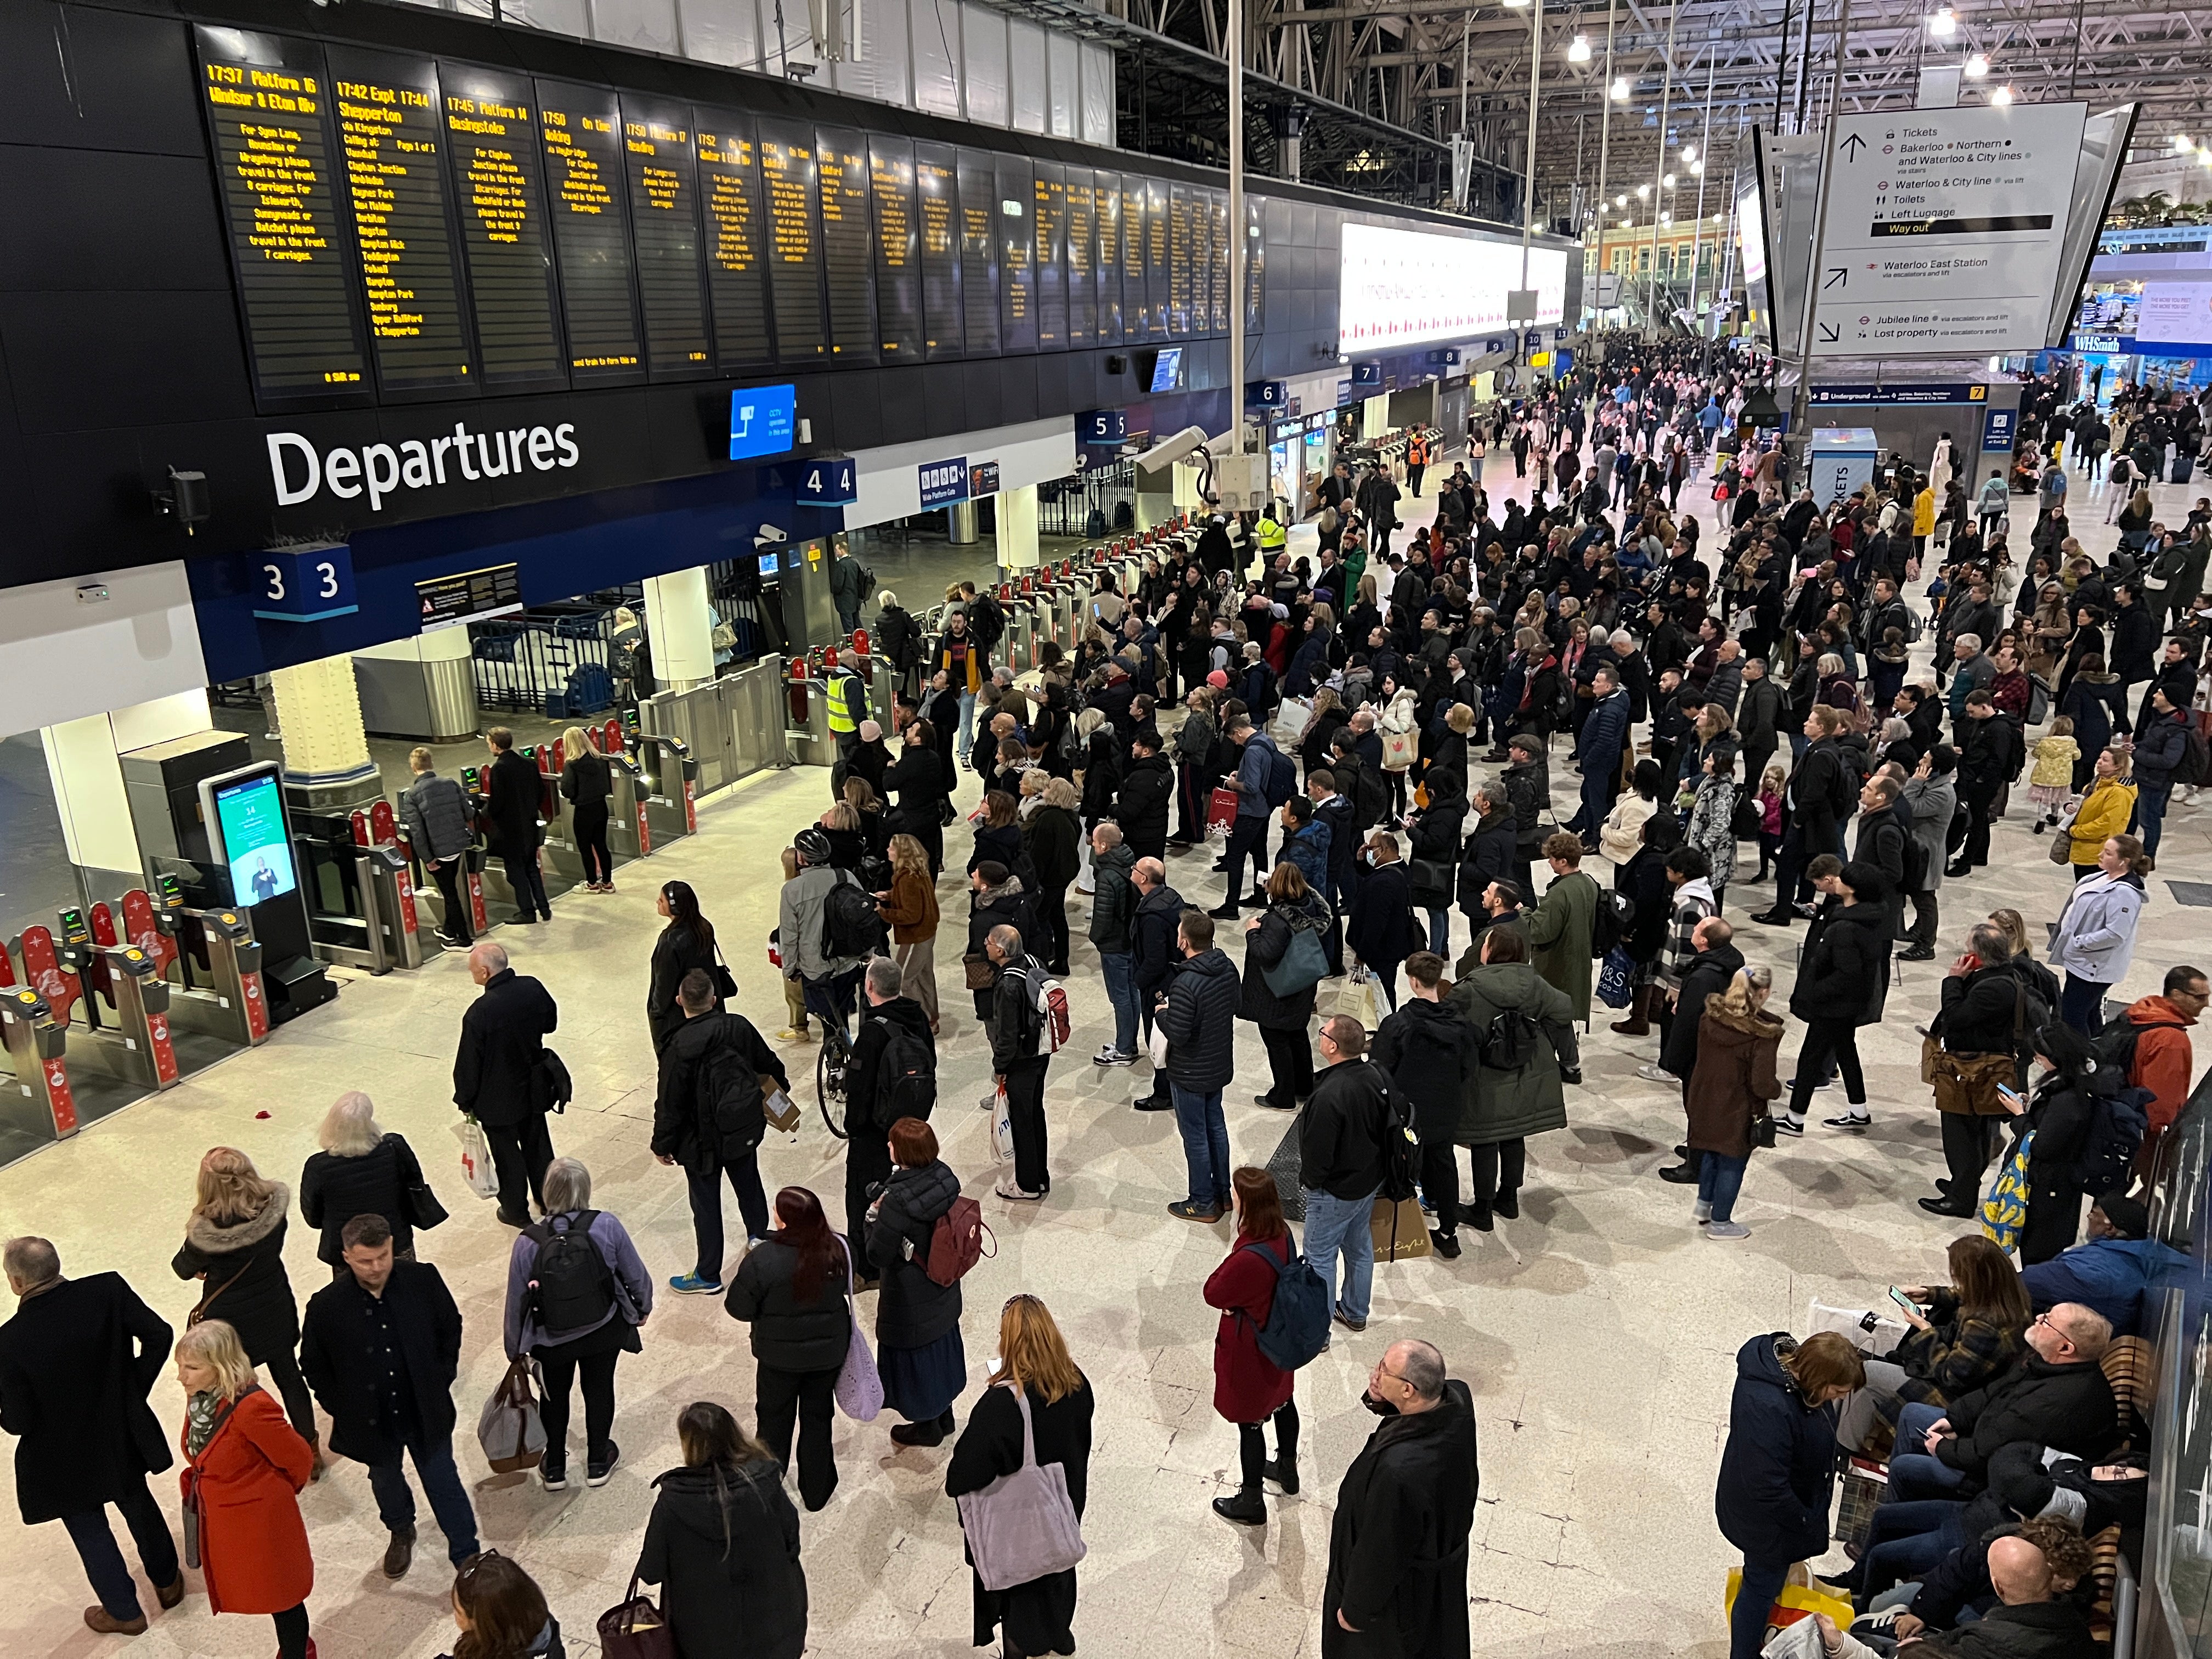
[
  {"x": 1291, "y": 717},
  {"x": 1399, "y": 750},
  {"x": 1022, "y": 1527},
  {"x": 1356, "y": 998},
  {"x": 509, "y": 1428},
  {"x": 1866, "y": 1483},
  {"x": 1159, "y": 1047},
  {"x": 635, "y": 1629},
  {"x": 1002, "y": 1127},
  {"x": 1868, "y": 1332},
  {"x": 1399, "y": 1231},
  {"x": 476, "y": 1158},
  {"x": 1616, "y": 979},
  {"x": 2004, "y": 1211},
  {"x": 1221, "y": 809},
  {"x": 1800, "y": 1600},
  {"x": 860, "y": 1388}
]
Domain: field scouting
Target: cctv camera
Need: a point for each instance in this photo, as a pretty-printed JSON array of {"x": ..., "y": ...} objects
[
  {"x": 769, "y": 536},
  {"x": 1170, "y": 450}
]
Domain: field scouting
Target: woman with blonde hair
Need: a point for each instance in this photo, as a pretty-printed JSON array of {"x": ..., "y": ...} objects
[
  {"x": 587, "y": 782},
  {"x": 245, "y": 1470},
  {"x": 1050, "y": 837},
  {"x": 910, "y": 909},
  {"x": 1037, "y": 1396},
  {"x": 234, "y": 1247},
  {"x": 362, "y": 1170}
]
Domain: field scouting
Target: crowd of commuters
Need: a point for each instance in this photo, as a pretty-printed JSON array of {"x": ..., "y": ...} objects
[{"x": 1370, "y": 740}]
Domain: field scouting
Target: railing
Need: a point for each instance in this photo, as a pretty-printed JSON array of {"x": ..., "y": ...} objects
[{"x": 557, "y": 662}]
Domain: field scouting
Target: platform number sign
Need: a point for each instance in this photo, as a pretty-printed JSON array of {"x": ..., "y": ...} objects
[
  {"x": 828, "y": 481},
  {"x": 304, "y": 584}
]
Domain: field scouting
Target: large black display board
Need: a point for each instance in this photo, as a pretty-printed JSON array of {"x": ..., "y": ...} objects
[
  {"x": 582, "y": 131},
  {"x": 663, "y": 174},
  {"x": 494, "y": 169}
]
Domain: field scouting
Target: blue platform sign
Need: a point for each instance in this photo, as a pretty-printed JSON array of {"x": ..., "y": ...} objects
[
  {"x": 828, "y": 481},
  {"x": 1444, "y": 357},
  {"x": 1366, "y": 375},
  {"x": 764, "y": 420},
  {"x": 305, "y": 584},
  {"x": 1266, "y": 394},
  {"x": 1999, "y": 427},
  {"x": 944, "y": 483},
  {"x": 1101, "y": 426}
]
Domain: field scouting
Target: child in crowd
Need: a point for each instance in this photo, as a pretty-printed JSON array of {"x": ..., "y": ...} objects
[
  {"x": 1769, "y": 819},
  {"x": 2052, "y": 782}
]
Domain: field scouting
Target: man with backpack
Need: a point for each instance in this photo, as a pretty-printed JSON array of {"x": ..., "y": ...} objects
[
  {"x": 1247, "y": 836},
  {"x": 1023, "y": 1038},
  {"x": 828, "y": 925},
  {"x": 850, "y": 582},
  {"x": 706, "y": 1117},
  {"x": 1431, "y": 1054},
  {"x": 1341, "y": 1165},
  {"x": 2151, "y": 1046},
  {"x": 892, "y": 1074},
  {"x": 1197, "y": 1012},
  {"x": 2169, "y": 749}
]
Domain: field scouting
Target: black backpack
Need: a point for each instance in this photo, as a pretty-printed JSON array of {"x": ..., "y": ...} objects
[
  {"x": 2118, "y": 1123},
  {"x": 1609, "y": 925},
  {"x": 2117, "y": 1046},
  {"x": 1511, "y": 1040},
  {"x": 730, "y": 1090},
  {"x": 2195, "y": 766},
  {"x": 1402, "y": 1152},
  {"x": 1282, "y": 773},
  {"x": 1748, "y": 821},
  {"x": 906, "y": 1077},
  {"x": 571, "y": 1286},
  {"x": 851, "y": 924}
]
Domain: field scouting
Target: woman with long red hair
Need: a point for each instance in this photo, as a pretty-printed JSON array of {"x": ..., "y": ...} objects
[{"x": 795, "y": 1289}]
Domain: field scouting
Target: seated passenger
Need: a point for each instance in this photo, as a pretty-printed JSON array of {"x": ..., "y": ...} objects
[{"x": 2112, "y": 1272}]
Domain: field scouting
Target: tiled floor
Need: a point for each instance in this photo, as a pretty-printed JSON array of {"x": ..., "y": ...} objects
[{"x": 1598, "y": 1331}]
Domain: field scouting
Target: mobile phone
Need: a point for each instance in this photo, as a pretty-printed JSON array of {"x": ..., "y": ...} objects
[
  {"x": 1903, "y": 1300},
  {"x": 2009, "y": 1093}
]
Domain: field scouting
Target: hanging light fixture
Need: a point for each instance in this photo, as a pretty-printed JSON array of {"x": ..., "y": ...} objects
[
  {"x": 2183, "y": 143},
  {"x": 1689, "y": 152},
  {"x": 1944, "y": 22},
  {"x": 1619, "y": 88},
  {"x": 1578, "y": 50},
  {"x": 1643, "y": 192},
  {"x": 2002, "y": 96},
  {"x": 1977, "y": 66},
  {"x": 1668, "y": 179}
]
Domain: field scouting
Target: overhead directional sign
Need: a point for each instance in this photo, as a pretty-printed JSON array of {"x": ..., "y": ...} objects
[{"x": 1946, "y": 230}]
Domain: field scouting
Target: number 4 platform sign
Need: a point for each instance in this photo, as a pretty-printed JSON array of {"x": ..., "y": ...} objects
[{"x": 311, "y": 583}]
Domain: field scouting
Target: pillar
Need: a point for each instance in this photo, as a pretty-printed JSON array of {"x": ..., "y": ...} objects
[
  {"x": 1016, "y": 511},
  {"x": 326, "y": 760},
  {"x": 960, "y": 524},
  {"x": 423, "y": 687},
  {"x": 88, "y": 780},
  {"x": 679, "y": 622}
]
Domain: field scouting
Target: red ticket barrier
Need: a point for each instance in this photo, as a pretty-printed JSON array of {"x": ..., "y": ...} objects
[
  {"x": 140, "y": 929},
  {"x": 44, "y": 973}
]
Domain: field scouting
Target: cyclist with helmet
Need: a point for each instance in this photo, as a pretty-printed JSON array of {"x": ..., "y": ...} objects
[{"x": 828, "y": 982}]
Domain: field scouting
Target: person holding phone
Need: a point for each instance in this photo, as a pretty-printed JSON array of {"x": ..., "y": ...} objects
[{"x": 1960, "y": 1336}]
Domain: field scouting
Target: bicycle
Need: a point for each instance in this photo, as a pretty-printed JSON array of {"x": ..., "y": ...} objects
[{"x": 831, "y": 1067}]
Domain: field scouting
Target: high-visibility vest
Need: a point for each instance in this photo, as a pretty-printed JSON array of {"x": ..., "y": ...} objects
[
  {"x": 1273, "y": 538},
  {"x": 849, "y": 702}
]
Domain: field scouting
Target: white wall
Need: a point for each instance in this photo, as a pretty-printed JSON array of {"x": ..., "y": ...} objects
[
  {"x": 891, "y": 482},
  {"x": 60, "y": 660}
]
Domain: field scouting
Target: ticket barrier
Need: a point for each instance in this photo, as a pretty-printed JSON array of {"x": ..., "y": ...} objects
[
  {"x": 341, "y": 874},
  {"x": 560, "y": 856},
  {"x": 85, "y": 965},
  {"x": 218, "y": 991},
  {"x": 668, "y": 781},
  {"x": 623, "y": 828},
  {"x": 36, "y": 1106},
  {"x": 1019, "y": 645},
  {"x": 807, "y": 728}
]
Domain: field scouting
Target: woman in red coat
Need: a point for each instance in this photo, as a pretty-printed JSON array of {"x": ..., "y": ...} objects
[
  {"x": 245, "y": 1470},
  {"x": 1249, "y": 1388}
]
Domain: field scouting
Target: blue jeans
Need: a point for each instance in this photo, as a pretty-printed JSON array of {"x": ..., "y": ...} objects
[
  {"x": 103, "y": 1562},
  {"x": 2081, "y": 1003},
  {"x": 1334, "y": 1225},
  {"x": 1720, "y": 1178},
  {"x": 1914, "y": 1474},
  {"x": 1205, "y": 1143},
  {"x": 1119, "y": 967},
  {"x": 1440, "y": 933},
  {"x": 1754, "y": 1598},
  {"x": 2150, "y": 813},
  {"x": 1907, "y": 1538},
  {"x": 442, "y": 1485}
]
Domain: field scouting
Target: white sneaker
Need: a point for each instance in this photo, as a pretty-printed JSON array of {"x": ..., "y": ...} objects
[
  {"x": 1651, "y": 1073},
  {"x": 1727, "y": 1229}
]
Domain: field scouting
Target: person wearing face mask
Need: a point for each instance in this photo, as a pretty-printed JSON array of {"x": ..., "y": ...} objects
[{"x": 1398, "y": 1546}]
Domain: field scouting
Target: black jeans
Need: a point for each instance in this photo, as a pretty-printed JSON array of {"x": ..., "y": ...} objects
[
  {"x": 103, "y": 1562},
  {"x": 528, "y": 883},
  {"x": 706, "y": 1191},
  {"x": 1252, "y": 1446},
  {"x": 588, "y": 822},
  {"x": 1499, "y": 1168},
  {"x": 1025, "y": 1115},
  {"x": 1440, "y": 1182},
  {"x": 519, "y": 1153},
  {"x": 1191, "y": 795},
  {"x": 453, "y": 888},
  {"x": 1290, "y": 1065},
  {"x": 1052, "y": 919},
  {"x": 1248, "y": 838},
  {"x": 1827, "y": 1041},
  {"x": 598, "y": 1371},
  {"x": 803, "y": 1397},
  {"x": 867, "y": 1161},
  {"x": 1975, "y": 849},
  {"x": 1966, "y": 1153},
  {"x": 1925, "y": 920},
  {"x": 292, "y": 1389}
]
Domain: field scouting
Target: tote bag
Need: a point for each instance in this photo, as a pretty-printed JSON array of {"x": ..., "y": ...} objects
[
  {"x": 476, "y": 1158},
  {"x": 509, "y": 1428},
  {"x": 1303, "y": 965},
  {"x": 859, "y": 1389},
  {"x": 2004, "y": 1211},
  {"x": 1356, "y": 998},
  {"x": 1021, "y": 1527}
]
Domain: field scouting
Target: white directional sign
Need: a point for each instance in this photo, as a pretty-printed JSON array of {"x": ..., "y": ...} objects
[{"x": 1946, "y": 227}]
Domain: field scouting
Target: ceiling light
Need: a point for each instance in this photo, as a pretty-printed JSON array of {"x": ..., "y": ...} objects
[
  {"x": 1643, "y": 192},
  {"x": 1578, "y": 50},
  {"x": 2183, "y": 143},
  {"x": 1666, "y": 218},
  {"x": 1620, "y": 201},
  {"x": 1945, "y": 21},
  {"x": 1621, "y": 90},
  {"x": 1689, "y": 152},
  {"x": 1698, "y": 167},
  {"x": 1977, "y": 66},
  {"x": 2002, "y": 96},
  {"x": 1516, "y": 5},
  {"x": 1668, "y": 179},
  {"x": 1628, "y": 224}
]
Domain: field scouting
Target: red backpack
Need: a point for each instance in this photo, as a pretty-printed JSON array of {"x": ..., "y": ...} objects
[{"x": 956, "y": 1242}]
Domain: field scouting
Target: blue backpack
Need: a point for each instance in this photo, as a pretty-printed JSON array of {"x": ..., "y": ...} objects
[
  {"x": 1298, "y": 1321},
  {"x": 1282, "y": 772}
]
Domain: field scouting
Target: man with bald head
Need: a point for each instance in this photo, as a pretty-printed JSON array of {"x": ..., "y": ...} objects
[
  {"x": 499, "y": 1077},
  {"x": 1398, "y": 1547}
]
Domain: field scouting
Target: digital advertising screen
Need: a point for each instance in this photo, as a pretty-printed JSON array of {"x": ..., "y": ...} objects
[
  {"x": 256, "y": 846},
  {"x": 1167, "y": 371},
  {"x": 1409, "y": 287}
]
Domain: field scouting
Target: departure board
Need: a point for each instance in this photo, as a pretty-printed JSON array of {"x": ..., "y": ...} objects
[
  {"x": 899, "y": 254},
  {"x": 1255, "y": 261},
  {"x": 1155, "y": 256},
  {"x": 847, "y": 263},
  {"x": 1219, "y": 307},
  {"x": 663, "y": 198},
  {"x": 389, "y": 132},
  {"x": 1050, "y": 240},
  {"x": 1082, "y": 250},
  {"x": 937, "y": 188},
  {"x": 978, "y": 252},
  {"x": 1201, "y": 261},
  {"x": 794, "y": 261},
  {"x": 1017, "y": 301},
  {"x": 1136, "y": 311},
  {"x": 582, "y": 131},
  {"x": 1106, "y": 200},
  {"x": 493, "y": 157},
  {"x": 736, "y": 240},
  {"x": 1179, "y": 260},
  {"x": 267, "y": 102}
]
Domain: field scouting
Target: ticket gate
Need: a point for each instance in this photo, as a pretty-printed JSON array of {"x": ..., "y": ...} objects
[
  {"x": 807, "y": 728},
  {"x": 668, "y": 805},
  {"x": 37, "y": 1105},
  {"x": 355, "y": 915},
  {"x": 87, "y": 967},
  {"x": 627, "y": 838},
  {"x": 216, "y": 990}
]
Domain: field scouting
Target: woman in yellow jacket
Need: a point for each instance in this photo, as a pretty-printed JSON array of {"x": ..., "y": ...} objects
[
  {"x": 1923, "y": 520},
  {"x": 2106, "y": 806}
]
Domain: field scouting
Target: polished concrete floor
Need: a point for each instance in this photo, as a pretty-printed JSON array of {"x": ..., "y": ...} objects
[{"x": 1598, "y": 1331}]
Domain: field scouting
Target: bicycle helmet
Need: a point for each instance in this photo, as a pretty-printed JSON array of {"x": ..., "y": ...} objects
[{"x": 812, "y": 846}]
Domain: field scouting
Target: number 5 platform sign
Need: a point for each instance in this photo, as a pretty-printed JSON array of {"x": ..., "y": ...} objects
[{"x": 311, "y": 583}]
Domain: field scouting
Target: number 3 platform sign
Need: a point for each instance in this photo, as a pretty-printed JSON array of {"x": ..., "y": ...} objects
[{"x": 305, "y": 584}]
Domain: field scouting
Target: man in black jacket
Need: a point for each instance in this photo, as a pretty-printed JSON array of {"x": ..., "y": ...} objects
[
  {"x": 2056, "y": 1395},
  {"x": 892, "y": 1074},
  {"x": 707, "y": 1117},
  {"x": 436, "y": 813},
  {"x": 1197, "y": 1012},
  {"x": 1885, "y": 830},
  {"x": 2032, "y": 1619},
  {"x": 1153, "y": 952},
  {"x": 1398, "y": 1546},
  {"x": 1333, "y": 810},
  {"x": 76, "y": 1363},
  {"x": 1816, "y": 785},
  {"x": 380, "y": 1347},
  {"x": 1986, "y": 766},
  {"x": 1431, "y": 1053},
  {"x": 1016, "y": 1065},
  {"x": 517, "y": 792},
  {"x": 498, "y": 1077},
  {"x": 1141, "y": 807},
  {"x": 1340, "y": 1165}
]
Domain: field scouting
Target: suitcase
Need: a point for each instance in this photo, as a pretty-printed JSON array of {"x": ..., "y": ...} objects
[{"x": 2183, "y": 465}]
